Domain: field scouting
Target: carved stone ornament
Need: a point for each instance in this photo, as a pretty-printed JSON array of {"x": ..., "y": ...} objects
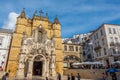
[{"x": 39, "y": 58}]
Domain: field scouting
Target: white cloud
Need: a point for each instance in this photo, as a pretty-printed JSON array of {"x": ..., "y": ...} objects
[{"x": 10, "y": 23}]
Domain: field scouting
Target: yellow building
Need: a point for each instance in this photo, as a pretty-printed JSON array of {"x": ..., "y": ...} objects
[
  {"x": 72, "y": 52},
  {"x": 41, "y": 32}
]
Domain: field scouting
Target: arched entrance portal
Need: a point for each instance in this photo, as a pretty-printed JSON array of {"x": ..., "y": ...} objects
[
  {"x": 37, "y": 68},
  {"x": 38, "y": 65}
]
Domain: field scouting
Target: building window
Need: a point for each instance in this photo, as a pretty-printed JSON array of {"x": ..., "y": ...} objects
[
  {"x": 111, "y": 39},
  {"x": 1, "y": 40},
  {"x": 98, "y": 44},
  {"x": 97, "y": 35},
  {"x": 101, "y": 32},
  {"x": 39, "y": 36},
  {"x": 95, "y": 45},
  {"x": 97, "y": 54},
  {"x": 114, "y": 31},
  {"x": 105, "y": 51},
  {"x": 65, "y": 48},
  {"x": 76, "y": 48},
  {"x": 71, "y": 48},
  {"x": 100, "y": 53},
  {"x": 114, "y": 51},
  {"x": 116, "y": 40},
  {"x": 103, "y": 42},
  {"x": 94, "y": 37},
  {"x": 118, "y": 52},
  {"x": 110, "y": 32}
]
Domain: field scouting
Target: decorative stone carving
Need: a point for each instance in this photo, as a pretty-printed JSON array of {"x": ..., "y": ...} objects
[
  {"x": 38, "y": 58},
  {"x": 37, "y": 51}
]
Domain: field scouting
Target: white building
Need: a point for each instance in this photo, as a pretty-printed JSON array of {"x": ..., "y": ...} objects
[
  {"x": 88, "y": 54},
  {"x": 87, "y": 51},
  {"x": 82, "y": 37},
  {"x": 5, "y": 38},
  {"x": 106, "y": 43}
]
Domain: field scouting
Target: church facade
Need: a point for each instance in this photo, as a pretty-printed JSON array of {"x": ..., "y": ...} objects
[{"x": 36, "y": 48}]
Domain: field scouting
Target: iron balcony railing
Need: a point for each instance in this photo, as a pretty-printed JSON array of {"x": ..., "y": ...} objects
[
  {"x": 97, "y": 48},
  {"x": 114, "y": 44}
]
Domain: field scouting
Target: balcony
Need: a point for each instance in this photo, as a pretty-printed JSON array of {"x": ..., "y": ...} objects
[
  {"x": 117, "y": 44},
  {"x": 97, "y": 48},
  {"x": 112, "y": 44}
]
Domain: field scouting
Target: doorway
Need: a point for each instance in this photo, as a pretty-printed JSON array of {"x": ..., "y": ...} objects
[{"x": 37, "y": 68}]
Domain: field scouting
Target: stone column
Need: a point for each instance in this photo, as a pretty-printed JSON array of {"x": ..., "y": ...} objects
[
  {"x": 30, "y": 69},
  {"x": 20, "y": 71},
  {"x": 47, "y": 67},
  {"x": 52, "y": 67},
  {"x": 44, "y": 68}
]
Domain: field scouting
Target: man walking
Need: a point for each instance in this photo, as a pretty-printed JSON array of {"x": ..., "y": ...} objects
[
  {"x": 72, "y": 77},
  {"x": 78, "y": 76},
  {"x": 4, "y": 76},
  {"x": 59, "y": 76}
]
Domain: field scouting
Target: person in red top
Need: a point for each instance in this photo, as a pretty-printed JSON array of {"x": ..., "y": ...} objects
[{"x": 1, "y": 69}]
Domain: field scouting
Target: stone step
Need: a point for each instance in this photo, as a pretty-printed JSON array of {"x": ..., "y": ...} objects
[{"x": 42, "y": 78}]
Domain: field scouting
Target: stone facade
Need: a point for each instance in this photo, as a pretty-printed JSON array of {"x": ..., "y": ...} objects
[
  {"x": 32, "y": 51},
  {"x": 72, "y": 51},
  {"x": 36, "y": 39}
]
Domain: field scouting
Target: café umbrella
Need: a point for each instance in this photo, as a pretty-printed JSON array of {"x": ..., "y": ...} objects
[{"x": 112, "y": 70}]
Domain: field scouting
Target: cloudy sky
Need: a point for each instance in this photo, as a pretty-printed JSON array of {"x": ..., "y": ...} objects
[{"x": 75, "y": 16}]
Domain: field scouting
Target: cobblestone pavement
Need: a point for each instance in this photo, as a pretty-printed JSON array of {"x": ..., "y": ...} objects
[{"x": 63, "y": 78}]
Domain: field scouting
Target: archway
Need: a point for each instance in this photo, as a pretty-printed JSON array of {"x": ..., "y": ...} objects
[
  {"x": 38, "y": 66},
  {"x": 69, "y": 59}
]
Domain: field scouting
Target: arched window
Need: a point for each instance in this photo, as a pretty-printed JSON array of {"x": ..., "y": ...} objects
[
  {"x": 39, "y": 36},
  {"x": 65, "y": 48}
]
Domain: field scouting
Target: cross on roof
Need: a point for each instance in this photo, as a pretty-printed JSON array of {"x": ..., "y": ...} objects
[
  {"x": 23, "y": 9},
  {"x": 41, "y": 12}
]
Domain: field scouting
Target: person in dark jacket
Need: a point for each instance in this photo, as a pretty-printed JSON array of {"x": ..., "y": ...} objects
[
  {"x": 46, "y": 78},
  {"x": 78, "y": 76},
  {"x": 112, "y": 72},
  {"x": 59, "y": 76},
  {"x": 68, "y": 77},
  {"x": 5, "y": 76},
  {"x": 72, "y": 77}
]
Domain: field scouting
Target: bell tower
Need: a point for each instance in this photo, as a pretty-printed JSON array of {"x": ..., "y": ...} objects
[
  {"x": 58, "y": 45},
  {"x": 21, "y": 24}
]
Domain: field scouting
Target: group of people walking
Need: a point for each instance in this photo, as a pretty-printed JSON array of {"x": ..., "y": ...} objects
[
  {"x": 72, "y": 77},
  {"x": 112, "y": 72},
  {"x": 69, "y": 77}
]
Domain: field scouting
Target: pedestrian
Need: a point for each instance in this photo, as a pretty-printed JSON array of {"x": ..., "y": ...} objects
[
  {"x": 104, "y": 76},
  {"x": 46, "y": 78},
  {"x": 113, "y": 75},
  {"x": 5, "y": 76},
  {"x": 68, "y": 77},
  {"x": 72, "y": 77},
  {"x": 59, "y": 76},
  {"x": 112, "y": 72},
  {"x": 78, "y": 76}
]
